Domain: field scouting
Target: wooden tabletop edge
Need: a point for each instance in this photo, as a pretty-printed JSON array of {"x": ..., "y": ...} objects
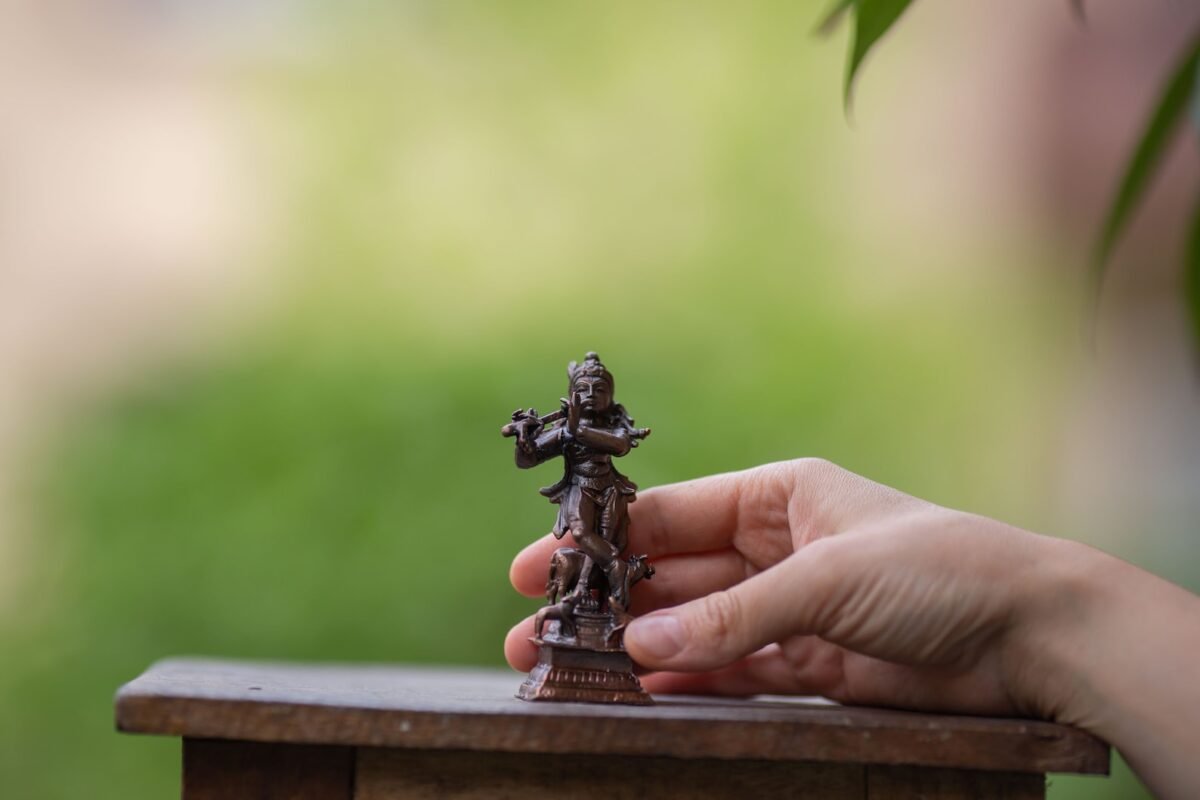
[{"x": 139, "y": 712}]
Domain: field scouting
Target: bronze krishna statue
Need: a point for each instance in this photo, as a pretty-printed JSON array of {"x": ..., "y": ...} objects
[{"x": 581, "y": 656}]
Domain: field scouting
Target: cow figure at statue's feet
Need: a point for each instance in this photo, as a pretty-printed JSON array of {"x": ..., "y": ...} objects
[{"x": 635, "y": 569}]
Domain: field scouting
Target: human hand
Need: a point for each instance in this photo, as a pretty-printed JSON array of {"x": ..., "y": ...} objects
[{"x": 801, "y": 577}]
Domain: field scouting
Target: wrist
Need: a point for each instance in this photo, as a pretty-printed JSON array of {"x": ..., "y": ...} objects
[
  {"x": 1051, "y": 644},
  {"x": 1116, "y": 653}
]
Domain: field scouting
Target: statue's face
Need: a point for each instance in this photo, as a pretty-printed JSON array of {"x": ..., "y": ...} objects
[{"x": 595, "y": 395}]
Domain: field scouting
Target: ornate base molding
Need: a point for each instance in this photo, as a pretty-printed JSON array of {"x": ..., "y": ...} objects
[{"x": 571, "y": 674}]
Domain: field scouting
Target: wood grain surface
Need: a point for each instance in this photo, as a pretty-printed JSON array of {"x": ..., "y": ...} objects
[
  {"x": 435, "y": 774},
  {"x": 915, "y": 783},
  {"x": 386, "y": 774},
  {"x": 474, "y": 709},
  {"x": 220, "y": 770}
]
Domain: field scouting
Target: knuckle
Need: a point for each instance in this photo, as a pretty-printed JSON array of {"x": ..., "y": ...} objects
[
  {"x": 814, "y": 484},
  {"x": 723, "y": 618},
  {"x": 811, "y": 468}
]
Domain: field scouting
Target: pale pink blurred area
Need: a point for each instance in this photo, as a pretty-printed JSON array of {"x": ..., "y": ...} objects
[{"x": 133, "y": 219}]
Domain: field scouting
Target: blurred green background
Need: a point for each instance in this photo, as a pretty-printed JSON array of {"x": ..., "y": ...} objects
[{"x": 292, "y": 451}]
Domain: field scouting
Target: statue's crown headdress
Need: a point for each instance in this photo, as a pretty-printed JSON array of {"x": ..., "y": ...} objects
[{"x": 591, "y": 367}]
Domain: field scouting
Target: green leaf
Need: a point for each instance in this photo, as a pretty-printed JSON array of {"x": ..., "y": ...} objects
[
  {"x": 1191, "y": 267},
  {"x": 1196, "y": 97},
  {"x": 833, "y": 17},
  {"x": 1170, "y": 111},
  {"x": 872, "y": 19}
]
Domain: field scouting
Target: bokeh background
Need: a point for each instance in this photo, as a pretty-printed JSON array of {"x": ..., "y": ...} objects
[{"x": 273, "y": 274}]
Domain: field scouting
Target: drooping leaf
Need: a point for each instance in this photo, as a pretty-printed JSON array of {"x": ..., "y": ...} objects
[
  {"x": 872, "y": 19},
  {"x": 1078, "y": 9},
  {"x": 1191, "y": 267},
  {"x": 1195, "y": 113},
  {"x": 833, "y": 17},
  {"x": 1170, "y": 111}
]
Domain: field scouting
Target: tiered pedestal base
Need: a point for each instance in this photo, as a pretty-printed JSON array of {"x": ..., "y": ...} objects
[{"x": 567, "y": 673}]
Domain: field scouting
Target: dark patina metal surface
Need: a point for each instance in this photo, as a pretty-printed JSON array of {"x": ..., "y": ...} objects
[{"x": 579, "y": 633}]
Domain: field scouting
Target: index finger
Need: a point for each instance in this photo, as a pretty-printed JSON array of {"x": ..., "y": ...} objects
[
  {"x": 772, "y": 509},
  {"x": 710, "y": 513},
  {"x": 697, "y": 516}
]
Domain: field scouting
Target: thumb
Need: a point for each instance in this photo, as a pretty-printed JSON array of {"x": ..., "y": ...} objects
[{"x": 718, "y": 629}]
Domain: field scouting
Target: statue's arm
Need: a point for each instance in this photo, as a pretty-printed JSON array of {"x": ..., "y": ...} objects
[
  {"x": 546, "y": 446},
  {"x": 614, "y": 441}
]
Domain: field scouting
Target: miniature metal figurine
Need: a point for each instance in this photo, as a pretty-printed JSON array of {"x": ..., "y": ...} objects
[{"x": 579, "y": 633}]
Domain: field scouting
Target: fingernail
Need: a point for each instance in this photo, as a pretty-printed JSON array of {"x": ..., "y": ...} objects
[{"x": 660, "y": 635}]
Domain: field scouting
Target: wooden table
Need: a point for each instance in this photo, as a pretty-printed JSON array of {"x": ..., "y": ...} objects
[{"x": 303, "y": 732}]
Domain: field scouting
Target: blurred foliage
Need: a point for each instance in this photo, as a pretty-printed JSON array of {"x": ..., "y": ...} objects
[
  {"x": 872, "y": 19},
  {"x": 1175, "y": 107},
  {"x": 1192, "y": 275},
  {"x": 479, "y": 194}
]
